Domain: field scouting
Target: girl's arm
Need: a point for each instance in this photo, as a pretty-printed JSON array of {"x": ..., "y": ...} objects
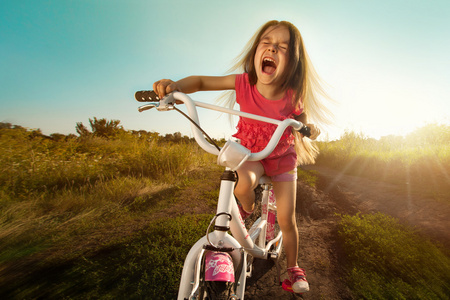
[{"x": 193, "y": 84}]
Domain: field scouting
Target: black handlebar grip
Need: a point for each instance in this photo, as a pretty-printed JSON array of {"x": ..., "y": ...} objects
[
  {"x": 305, "y": 131},
  {"x": 146, "y": 96}
]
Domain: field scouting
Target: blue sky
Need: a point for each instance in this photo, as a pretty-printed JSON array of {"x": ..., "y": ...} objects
[{"x": 386, "y": 63}]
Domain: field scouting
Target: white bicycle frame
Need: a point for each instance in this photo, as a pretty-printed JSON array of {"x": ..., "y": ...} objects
[{"x": 241, "y": 241}]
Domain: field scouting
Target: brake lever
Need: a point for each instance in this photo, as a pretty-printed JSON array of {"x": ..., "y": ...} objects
[
  {"x": 166, "y": 103},
  {"x": 148, "y": 106}
]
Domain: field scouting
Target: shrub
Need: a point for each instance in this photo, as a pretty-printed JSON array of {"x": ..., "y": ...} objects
[{"x": 421, "y": 160}]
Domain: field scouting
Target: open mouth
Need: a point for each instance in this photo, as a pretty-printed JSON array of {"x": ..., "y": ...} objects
[{"x": 269, "y": 66}]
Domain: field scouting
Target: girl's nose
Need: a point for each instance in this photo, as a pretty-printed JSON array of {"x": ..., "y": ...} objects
[{"x": 272, "y": 48}]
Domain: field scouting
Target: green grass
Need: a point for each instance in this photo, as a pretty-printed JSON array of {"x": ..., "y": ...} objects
[
  {"x": 146, "y": 265},
  {"x": 95, "y": 217},
  {"x": 387, "y": 260},
  {"x": 307, "y": 176},
  {"x": 77, "y": 214},
  {"x": 30, "y": 165}
]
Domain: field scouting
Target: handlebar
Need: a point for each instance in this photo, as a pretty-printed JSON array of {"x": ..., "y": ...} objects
[
  {"x": 168, "y": 102},
  {"x": 146, "y": 96}
]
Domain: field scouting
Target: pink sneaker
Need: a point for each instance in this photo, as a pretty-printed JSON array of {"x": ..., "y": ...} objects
[
  {"x": 297, "y": 278},
  {"x": 244, "y": 214}
]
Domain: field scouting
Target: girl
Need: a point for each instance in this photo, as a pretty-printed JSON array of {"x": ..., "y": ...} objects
[{"x": 278, "y": 82}]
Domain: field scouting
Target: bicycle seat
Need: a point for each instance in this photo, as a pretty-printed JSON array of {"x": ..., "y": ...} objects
[{"x": 265, "y": 180}]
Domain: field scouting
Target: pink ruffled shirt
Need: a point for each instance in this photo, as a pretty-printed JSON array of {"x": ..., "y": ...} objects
[{"x": 255, "y": 135}]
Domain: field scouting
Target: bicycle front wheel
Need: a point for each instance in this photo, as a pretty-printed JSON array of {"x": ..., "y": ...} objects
[{"x": 219, "y": 290}]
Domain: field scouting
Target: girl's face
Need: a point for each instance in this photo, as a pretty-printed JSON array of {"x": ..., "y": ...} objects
[{"x": 271, "y": 56}]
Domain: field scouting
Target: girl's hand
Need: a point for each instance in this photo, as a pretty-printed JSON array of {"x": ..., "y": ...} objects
[
  {"x": 315, "y": 131},
  {"x": 164, "y": 86}
]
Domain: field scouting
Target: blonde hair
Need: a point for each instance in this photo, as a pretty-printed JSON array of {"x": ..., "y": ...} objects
[{"x": 301, "y": 77}]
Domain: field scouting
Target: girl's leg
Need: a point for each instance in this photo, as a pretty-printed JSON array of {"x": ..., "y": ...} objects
[
  {"x": 285, "y": 193},
  {"x": 249, "y": 174}
]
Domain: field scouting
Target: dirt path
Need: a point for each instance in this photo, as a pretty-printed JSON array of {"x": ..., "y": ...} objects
[
  {"x": 428, "y": 216},
  {"x": 316, "y": 216}
]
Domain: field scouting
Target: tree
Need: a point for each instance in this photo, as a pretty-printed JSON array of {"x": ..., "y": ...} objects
[
  {"x": 82, "y": 130},
  {"x": 5, "y": 125},
  {"x": 100, "y": 128}
]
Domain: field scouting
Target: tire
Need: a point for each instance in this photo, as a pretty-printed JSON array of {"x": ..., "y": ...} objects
[{"x": 219, "y": 290}]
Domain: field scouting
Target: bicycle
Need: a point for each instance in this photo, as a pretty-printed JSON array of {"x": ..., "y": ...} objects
[{"x": 218, "y": 264}]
